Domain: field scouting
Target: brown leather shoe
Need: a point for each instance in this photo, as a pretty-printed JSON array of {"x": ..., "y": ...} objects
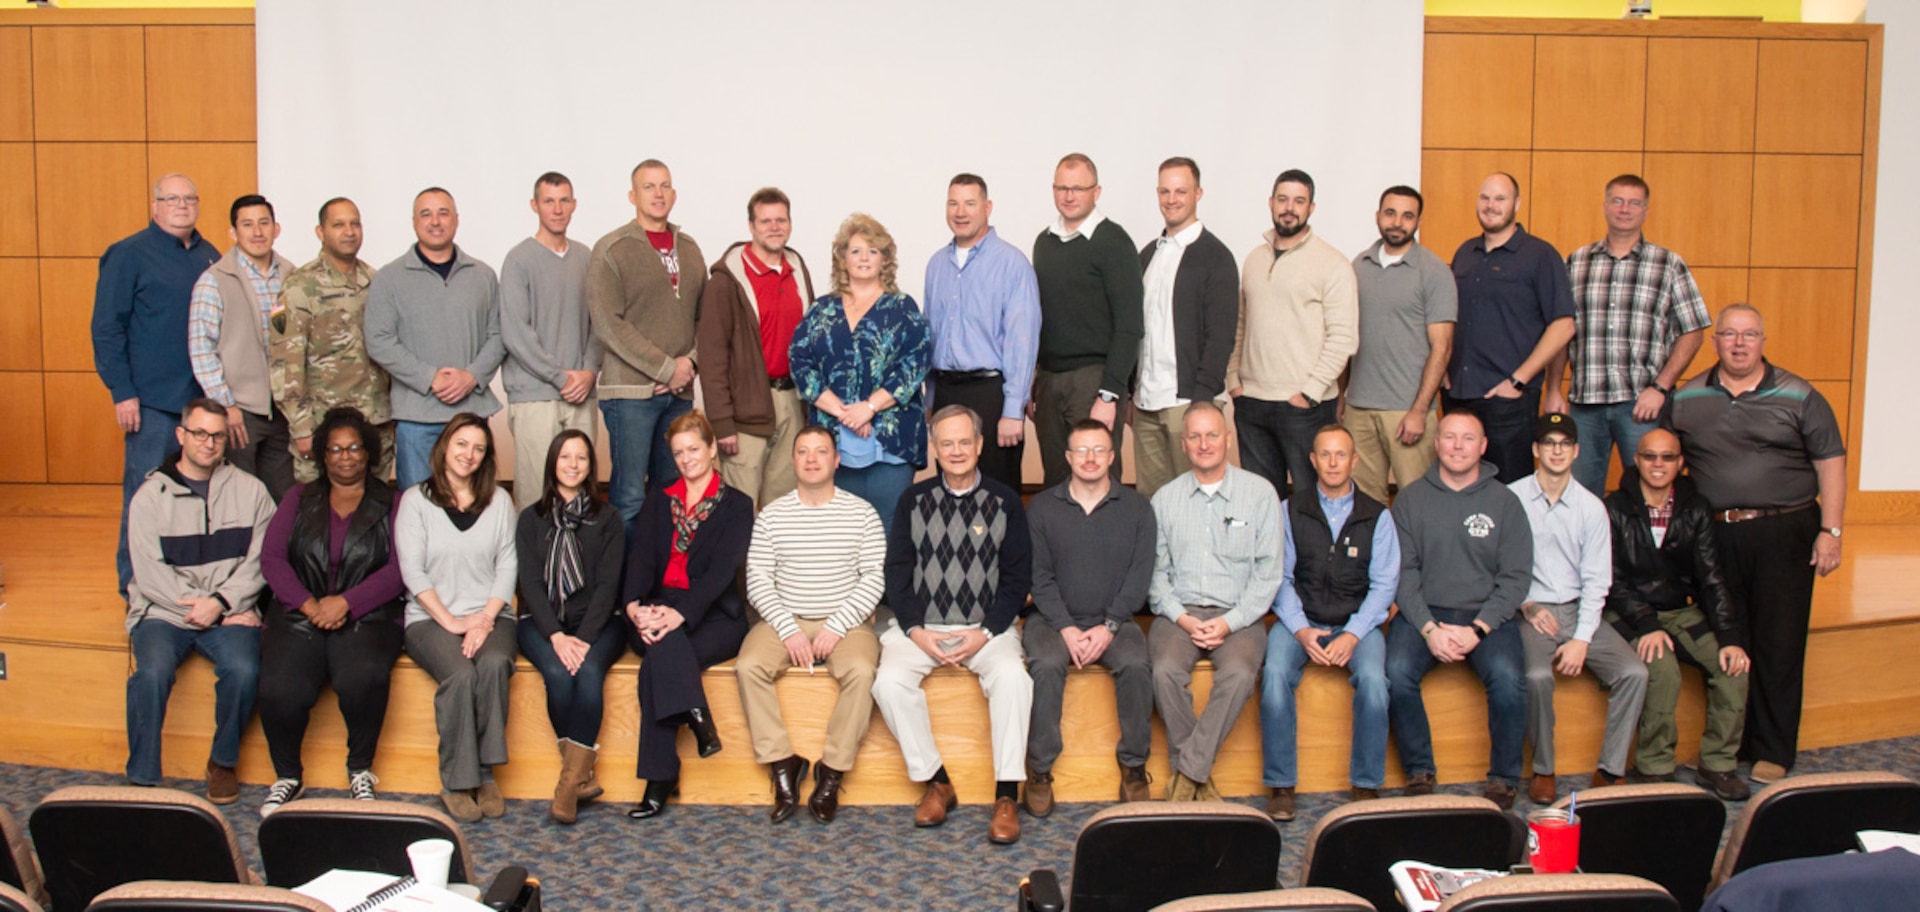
[
  {"x": 1180, "y": 788},
  {"x": 1418, "y": 784},
  {"x": 1501, "y": 794},
  {"x": 223, "y": 785},
  {"x": 825, "y": 800},
  {"x": 935, "y": 804},
  {"x": 1038, "y": 799},
  {"x": 488, "y": 797},
  {"x": 786, "y": 775},
  {"x": 1602, "y": 779},
  {"x": 1727, "y": 784},
  {"x": 1135, "y": 783},
  {"x": 1005, "y": 828},
  {"x": 460, "y": 805},
  {"x": 1542, "y": 790},
  {"x": 1280, "y": 803},
  {"x": 1363, "y": 794}
]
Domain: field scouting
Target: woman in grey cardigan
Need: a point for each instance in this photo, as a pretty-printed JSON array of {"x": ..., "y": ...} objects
[{"x": 454, "y": 532}]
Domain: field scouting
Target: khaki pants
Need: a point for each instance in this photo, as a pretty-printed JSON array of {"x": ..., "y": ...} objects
[
  {"x": 1726, "y": 699},
  {"x": 534, "y": 425},
  {"x": 1376, "y": 449},
  {"x": 1158, "y": 457},
  {"x": 763, "y": 659},
  {"x": 763, "y": 467},
  {"x": 306, "y": 471}
]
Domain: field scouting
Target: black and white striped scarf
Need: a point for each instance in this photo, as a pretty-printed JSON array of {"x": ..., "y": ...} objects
[{"x": 566, "y": 574}]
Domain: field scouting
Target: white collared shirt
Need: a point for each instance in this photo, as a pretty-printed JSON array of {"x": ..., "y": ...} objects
[
  {"x": 1086, "y": 229},
  {"x": 1159, "y": 367}
]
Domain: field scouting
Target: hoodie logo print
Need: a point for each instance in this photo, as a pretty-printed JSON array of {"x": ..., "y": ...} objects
[{"x": 1479, "y": 525}]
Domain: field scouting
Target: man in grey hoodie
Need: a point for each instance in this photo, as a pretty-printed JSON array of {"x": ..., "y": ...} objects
[{"x": 1466, "y": 563}]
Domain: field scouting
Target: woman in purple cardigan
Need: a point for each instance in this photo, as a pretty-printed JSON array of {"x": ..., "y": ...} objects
[{"x": 335, "y": 575}]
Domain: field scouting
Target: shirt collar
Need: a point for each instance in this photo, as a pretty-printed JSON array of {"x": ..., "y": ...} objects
[
  {"x": 1374, "y": 253},
  {"x": 1086, "y": 229},
  {"x": 1064, "y": 491},
  {"x": 962, "y": 492},
  {"x": 189, "y": 242},
  {"x": 759, "y": 268},
  {"x": 1768, "y": 377},
  {"x": 1512, "y": 242},
  {"x": 1600, "y": 248},
  {"x": 1327, "y": 502},
  {"x": 273, "y": 264},
  {"x": 1305, "y": 235},
  {"x": 953, "y": 246},
  {"x": 1185, "y": 238}
]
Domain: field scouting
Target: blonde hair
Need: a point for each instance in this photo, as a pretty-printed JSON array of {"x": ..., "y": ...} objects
[{"x": 868, "y": 227}]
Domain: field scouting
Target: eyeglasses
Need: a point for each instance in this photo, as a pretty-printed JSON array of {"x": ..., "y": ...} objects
[
  {"x": 350, "y": 449},
  {"x": 1743, "y": 335},
  {"x": 205, "y": 437},
  {"x": 177, "y": 200},
  {"x": 1067, "y": 188},
  {"x": 1629, "y": 203},
  {"x": 1084, "y": 452},
  {"x": 1557, "y": 444},
  {"x": 1657, "y": 457}
]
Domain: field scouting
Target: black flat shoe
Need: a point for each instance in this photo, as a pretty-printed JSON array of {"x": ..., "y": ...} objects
[
  {"x": 654, "y": 801},
  {"x": 704, "y": 734}
]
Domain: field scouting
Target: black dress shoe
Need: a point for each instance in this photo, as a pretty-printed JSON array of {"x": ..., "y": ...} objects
[
  {"x": 786, "y": 775},
  {"x": 655, "y": 799},
  {"x": 825, "y": 800},
  {"x": 704, "y": 734}
]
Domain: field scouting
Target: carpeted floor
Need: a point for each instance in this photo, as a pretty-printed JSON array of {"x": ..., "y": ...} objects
[{"x": 870, "y": 858}]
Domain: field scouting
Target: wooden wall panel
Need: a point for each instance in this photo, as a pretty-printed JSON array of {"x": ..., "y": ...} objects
[
  {"x": 1812, "y": 96},
  {"x": 1809, "y": 319},
  {"x": 1700, "y": 94},
  {"x": 23, "y": 413},
  {"x": 83, "y": 443},
  {"x": 19, "y": 314},
  {"x": 16, "y": 74},
  {"x": 66, "y": 312},
  {"x": 200, "y": 83},
  {"x": 1806, "y": 210},
  {"x": 1589, "y": 92},
  {"x": 1450, "y": 181},
  {"x": 1702, "y": 206},
  {"x": 89, "y": 83},
  {"x": 18, "y": 229},
  {"x": 89, "y": 195},
  {"x": 1569, "y": 193},
  {"x": 1719, "y": 287},
  {"x": 1476, "y": 92},
  {"x": 223, "y": 171}
]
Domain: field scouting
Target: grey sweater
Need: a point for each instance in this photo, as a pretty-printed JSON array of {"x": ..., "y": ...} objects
[
  {"x": 418, "y": 323},
  {"x": 464, "y": 569},
  {"x": 1467, "y": 549},
  {"x": 543, "y": 319}
]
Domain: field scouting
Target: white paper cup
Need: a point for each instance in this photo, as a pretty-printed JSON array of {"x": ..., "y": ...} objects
[{"x": 430, "y": 858}]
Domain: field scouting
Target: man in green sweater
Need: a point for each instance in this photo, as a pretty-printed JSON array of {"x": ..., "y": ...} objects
[{"x": 1090, "y": 317}]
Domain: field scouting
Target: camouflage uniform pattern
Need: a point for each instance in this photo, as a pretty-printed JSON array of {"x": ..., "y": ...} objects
[{"x": 317, "y": 353}]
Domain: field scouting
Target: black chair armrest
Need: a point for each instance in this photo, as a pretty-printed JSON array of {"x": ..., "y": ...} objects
[
  {"x": 512, "y": 891},
  {"x": 1040, "y": 892}
]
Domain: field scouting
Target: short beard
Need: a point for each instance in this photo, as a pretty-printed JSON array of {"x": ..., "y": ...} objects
[{"x": 1286, "y": 232}]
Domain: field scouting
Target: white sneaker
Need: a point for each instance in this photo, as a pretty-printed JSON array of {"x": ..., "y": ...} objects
[
  {"x": 361, "y": 783},
  {"x": 281, "y": 792}
]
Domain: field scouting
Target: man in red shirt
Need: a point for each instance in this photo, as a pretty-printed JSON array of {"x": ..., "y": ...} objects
[{"x": 752, "y": 303}]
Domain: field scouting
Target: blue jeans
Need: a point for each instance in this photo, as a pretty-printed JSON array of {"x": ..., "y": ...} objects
[
  {"x": 1602, "y": 428},
  {"x": 1276, "y": 438},
  {"x": 1279, "y": 720},
  {"x": 1501, "y": 663},
  {"x": 880, "y": 484},
  {"x": 413, "y": 452},
  {"x": 637, "y": 437},
  {"x": 1509, "y": 425},
  {"x": 145, "y": 448},
  {"x": 575, "y": 702},
  {"x": 158, "y": 650}
]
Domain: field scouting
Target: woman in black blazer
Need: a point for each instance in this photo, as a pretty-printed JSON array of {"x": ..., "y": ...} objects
[{"x": 684, "y": 610}]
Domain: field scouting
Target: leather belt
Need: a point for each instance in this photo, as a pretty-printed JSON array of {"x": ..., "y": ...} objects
[
  {"x": 780, "y": 383},
  {"x": 1740, "y": 516},
  {"x": 966, "y": 376}
]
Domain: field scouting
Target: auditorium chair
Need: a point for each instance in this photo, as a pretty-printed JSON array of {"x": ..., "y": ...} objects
[
  {"x": 190, "y": 896},
  {"x": 12, "y": 900},
  {"x": 1666, "y": 832},
  {"x": 1305, "y": 899},
  {"x": 19, "y": 868},
  {"x": 1352, "y": 846},
  {"x": 1818, "y": 814},
  {"x": 92, "y": 838},
  {"x": 307, "y": 838},
  {"x": 1562, "y": 893},
  {"x": 1132, "y": 857}
]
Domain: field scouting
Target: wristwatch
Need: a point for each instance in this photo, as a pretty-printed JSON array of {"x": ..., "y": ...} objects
[
  {"x": 1518, "y": 384},
  {"x": 1832, "y": 530},
  {"x": 1112, "y": 625}
]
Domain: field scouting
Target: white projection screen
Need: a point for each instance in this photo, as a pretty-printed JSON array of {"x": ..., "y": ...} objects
[{"x": 867, "y": 107}]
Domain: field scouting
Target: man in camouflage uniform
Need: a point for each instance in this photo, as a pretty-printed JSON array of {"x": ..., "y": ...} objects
[{"x": 317, "y": 349}]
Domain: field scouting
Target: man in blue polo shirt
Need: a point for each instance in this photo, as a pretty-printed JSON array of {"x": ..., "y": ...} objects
[{"x": 140, "y": 310}]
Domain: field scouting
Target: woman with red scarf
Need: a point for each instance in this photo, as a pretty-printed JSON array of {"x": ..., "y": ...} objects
[{"x": 684, "y": 609}]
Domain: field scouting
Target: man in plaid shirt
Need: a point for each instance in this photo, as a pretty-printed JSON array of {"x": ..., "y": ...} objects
[{"x": 1638, "y": 320}]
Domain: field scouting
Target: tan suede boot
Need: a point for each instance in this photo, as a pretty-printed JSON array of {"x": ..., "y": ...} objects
[{"x": 575, "y": 762}]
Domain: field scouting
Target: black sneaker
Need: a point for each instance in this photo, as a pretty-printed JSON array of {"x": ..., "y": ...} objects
[
  {"x": 281, "y": 792},
  {"x": 360, "y": 784},
  {"x": 1727, "y": 784}
]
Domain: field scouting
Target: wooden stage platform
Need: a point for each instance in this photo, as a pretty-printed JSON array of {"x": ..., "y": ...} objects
[{"x": 62, "y": 702}]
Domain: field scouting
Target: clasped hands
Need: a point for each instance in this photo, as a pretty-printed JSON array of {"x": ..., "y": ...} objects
[
  {"x": 803, "y": 652},
  {"x": 1452, "y": 642},
  {"x": 971, "y": 641},
  {"x": 204, "y": 613},
  {"x": 472, "y": 630},
  {"x": 1335, "y": 653},
  {"x": 326, "y": 612},
  {"x": 653, "y": 621},
  {"x": 1207, "y": 635}
]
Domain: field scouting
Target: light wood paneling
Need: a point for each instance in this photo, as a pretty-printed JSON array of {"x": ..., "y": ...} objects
[
  {"x": 19, "y": 314},
  {"x": 83, "y": 443},
  {"x": 1700, "y": 94},
  {"x": 66, "y": 312},
  {"x": 1702, "y": 206},
  {"x": 200, "y": 83},
  {"x": 1809, "y": 319},
  {"x": 1806, "y": 210},
  {"x": 23, "y": 414},
  {"x": 1589, "y": 93},
  {"x": 224, "y": 173},
  {"x": 1451, "y": 187},
  {"x": 1569, "y": 193},
  {"x": 1812, "y": 96},
  {"x": 1476, "y": 91},
  {"x": 89, "y": 84},
  {"x": 16, "y": 74},
  {"x": 89, "y": 195},
  {"x": 17, "y": 225}
]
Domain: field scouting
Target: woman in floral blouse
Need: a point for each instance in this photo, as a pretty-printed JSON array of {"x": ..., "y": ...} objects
[{"x": 859, "y": 360}]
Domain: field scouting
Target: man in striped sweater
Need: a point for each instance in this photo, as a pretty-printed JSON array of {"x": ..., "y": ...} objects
[{"x": 814, "y": 574}]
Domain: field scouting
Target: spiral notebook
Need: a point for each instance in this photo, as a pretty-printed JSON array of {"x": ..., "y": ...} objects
[{"x": 371, "y": 891}]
